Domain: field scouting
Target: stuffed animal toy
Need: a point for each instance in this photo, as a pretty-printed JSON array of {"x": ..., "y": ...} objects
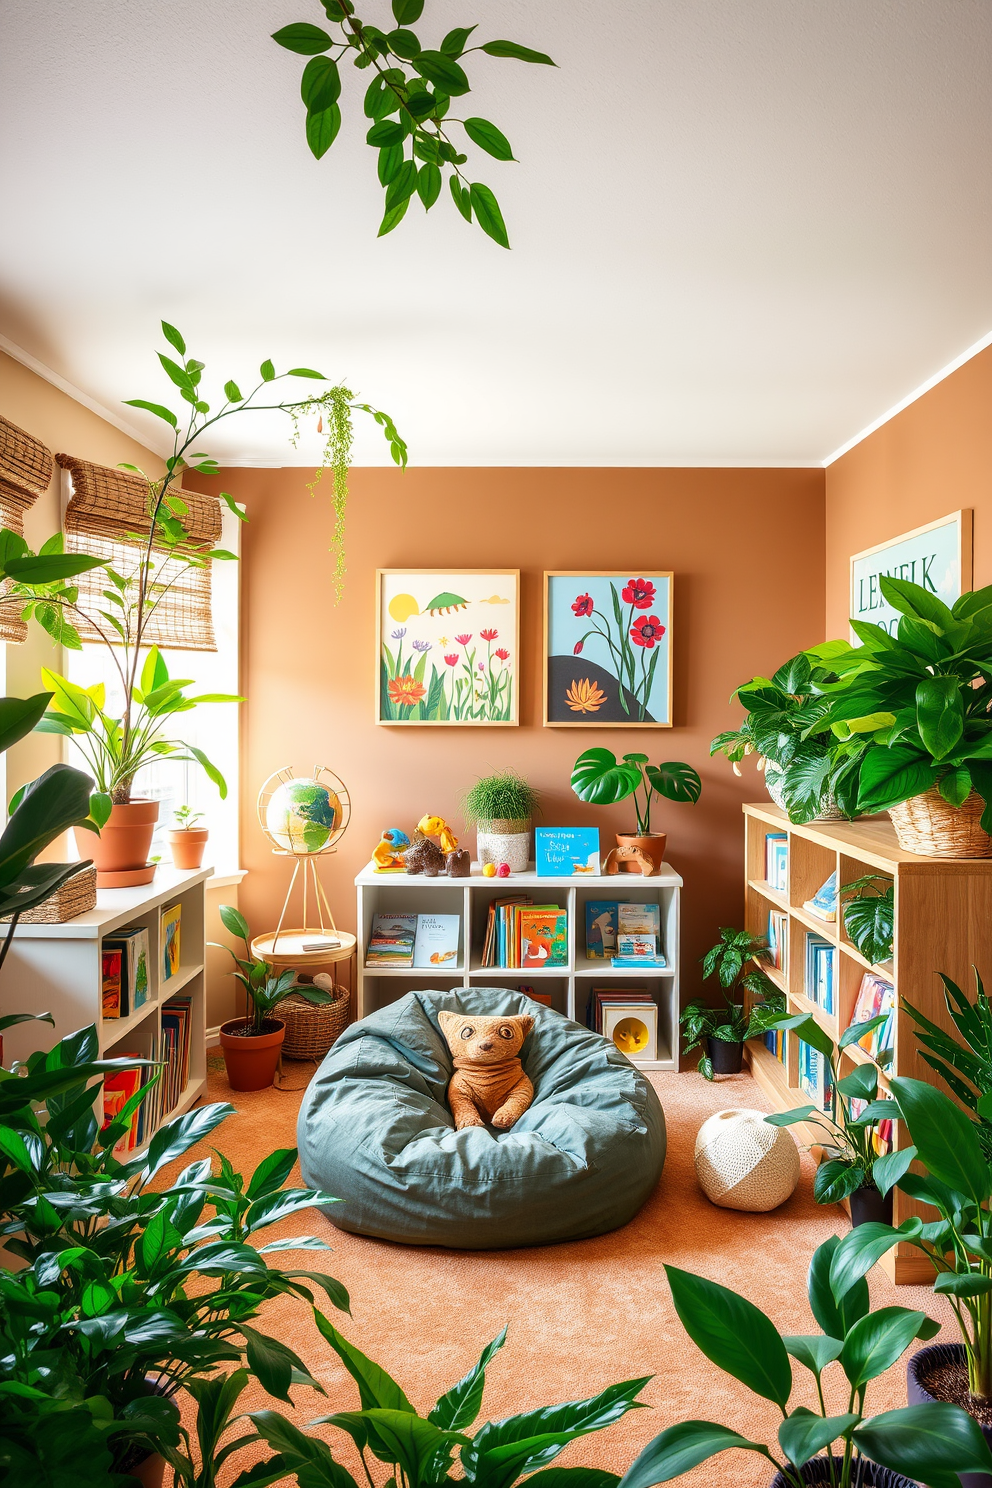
[
  {"x": 489, "y": 1083},
  {"x": 390, "y": 851},
  {"x": 436, "y": 826}
]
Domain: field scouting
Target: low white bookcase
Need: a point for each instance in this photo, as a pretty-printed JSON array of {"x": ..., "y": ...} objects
[
  {"x": 58, "y": 969},
  {"x": 570, "y": 985}
]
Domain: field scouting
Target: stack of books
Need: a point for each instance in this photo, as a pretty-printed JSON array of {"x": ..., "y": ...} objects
[
  {"x": 776, "y": 1043},
  {"x": 405, "y": 940},
  {"x": 118, "y": 1089},
  {"x": 821, "y": 972},
  {"x": 626, "y": 934},
  {"x": 125, "y": 971},
  {"x": 778, "y": 939},
  {"x": 603, "y": 997},
  {"x": 176, "y": 1028},
  {"x": 876, "y": 996},
  {"x": 824, "y": 902},
  {"x": 520, "y": 933},
  {"x": 814, "y": 1077},
  {"x": 777, "y": 861}
]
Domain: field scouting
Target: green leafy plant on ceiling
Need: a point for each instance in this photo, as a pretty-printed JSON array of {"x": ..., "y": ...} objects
[{"x": 407, "y": 104}]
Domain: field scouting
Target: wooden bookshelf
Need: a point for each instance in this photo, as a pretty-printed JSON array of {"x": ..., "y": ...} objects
[{"x": 943, "y": 911}]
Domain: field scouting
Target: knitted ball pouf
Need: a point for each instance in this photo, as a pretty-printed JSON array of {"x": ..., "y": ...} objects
[{"x": 742, "y": 1162}]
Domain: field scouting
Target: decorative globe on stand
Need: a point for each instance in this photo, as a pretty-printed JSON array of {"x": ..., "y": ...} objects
[{"x": 304, "y": 818}]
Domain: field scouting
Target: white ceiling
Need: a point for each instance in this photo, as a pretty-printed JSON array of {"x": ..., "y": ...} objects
[{"x": 741, "y": 231}]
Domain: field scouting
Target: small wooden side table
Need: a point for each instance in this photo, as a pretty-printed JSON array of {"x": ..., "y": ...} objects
[{"x": 284, "y": 949}]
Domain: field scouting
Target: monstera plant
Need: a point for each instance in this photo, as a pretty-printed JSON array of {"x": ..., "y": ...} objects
[{"x": 603, "y": 780}]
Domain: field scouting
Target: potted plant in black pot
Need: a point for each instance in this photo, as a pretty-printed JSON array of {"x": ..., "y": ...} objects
[
  {"x": 598, "y": 777},
  {"x": 852, "y": 1449},
  {"x": 852, "y": 1166},
  {"x": 252, "y": 1044},
  {"x": 725, "y": 1029}
]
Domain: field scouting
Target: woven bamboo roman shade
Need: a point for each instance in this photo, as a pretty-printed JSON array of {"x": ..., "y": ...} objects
[
  {"x": 105, "y": 507},
  {"x": 26, "y": 468}
]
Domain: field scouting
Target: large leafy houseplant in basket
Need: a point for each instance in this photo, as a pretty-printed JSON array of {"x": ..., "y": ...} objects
[{"x": 917, "y": 704}]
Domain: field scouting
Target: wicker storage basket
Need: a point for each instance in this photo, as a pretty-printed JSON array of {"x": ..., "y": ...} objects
[
  {"x": 74, "y": 897},
  {"x": 311, "y": 1029},
  {"x": 929, "y": 825}
]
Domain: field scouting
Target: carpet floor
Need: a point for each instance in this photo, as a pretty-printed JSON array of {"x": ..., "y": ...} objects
[{"x": 581, "y": 1315}]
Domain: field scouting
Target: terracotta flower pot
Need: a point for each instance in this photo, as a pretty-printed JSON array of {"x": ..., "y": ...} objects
[
  {"x": 251, "y": 1060},
  {"x": 919, "y": 1370},
  {"x": 121, "y": 850},
  {"x": 652, "y": 847},
  {"x": 187, "y": 846}
]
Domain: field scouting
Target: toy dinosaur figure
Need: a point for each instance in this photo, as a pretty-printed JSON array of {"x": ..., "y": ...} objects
[
  {"x": 436, "y": 826},
  {"x": 390, "y": 851},
  {"x": 424, "y": 856}
]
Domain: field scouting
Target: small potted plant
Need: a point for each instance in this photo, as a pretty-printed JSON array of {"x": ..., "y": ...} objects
[
  {"x": 502, "y": 808},
  {"x": 726, "y": 1029},
  {"x": 252, "y": 1044},
  {"x": 852, "y": 1167},
  {"x": 187, "y": 841},
  {"x": 599, "y": 778}
]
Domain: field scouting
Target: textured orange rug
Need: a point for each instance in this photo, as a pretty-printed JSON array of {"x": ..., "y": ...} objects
[{"x": 581, "y": 1315}]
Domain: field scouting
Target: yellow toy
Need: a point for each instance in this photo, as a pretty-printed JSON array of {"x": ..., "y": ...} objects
[
  {"x": 390, "y": 851},
  {"x": 436, "y": 826},
  {"x": 489, "y": 870}
]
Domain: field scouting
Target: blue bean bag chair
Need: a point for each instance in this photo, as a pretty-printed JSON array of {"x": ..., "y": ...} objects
[{"x": 375, "y": 1130}]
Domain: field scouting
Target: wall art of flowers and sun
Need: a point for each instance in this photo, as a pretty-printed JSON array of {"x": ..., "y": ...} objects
[
  {"x": 448, "y": 644},
  {"x": 608, "y": 649}
]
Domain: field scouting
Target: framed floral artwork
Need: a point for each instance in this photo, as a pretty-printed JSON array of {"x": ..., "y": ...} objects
[
  {"x": 608, "y": 650},
  {"x": 447, "y": 642}
]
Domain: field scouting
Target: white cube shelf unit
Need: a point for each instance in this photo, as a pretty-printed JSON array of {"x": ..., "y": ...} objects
[
  {"x": 570, "y": 985},
  {"x": 58, "y": 969}
]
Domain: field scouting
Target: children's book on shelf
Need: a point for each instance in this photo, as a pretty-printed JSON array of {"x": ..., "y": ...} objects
[
  {"x": 636, "y": 948},
  {"x": 602, "y": 997},
  {"x": 777, "y": 861},
  {"x": 543, "y": 936},
  {"x": 114, "y": 1000},
  {"x": 776, "y": 1042},
  {"x": 881, "y": 1132},
  {"x": 118, "y": 1088},
  {"x": 566, "y": 852},
  {"x": 437, "y": 939},
  {"x": 392, "y": 940},
  {"x": 170, "y": 927},
  {"x": 132, "y": 943},
  {"x": 601, "y": 928},
  {"x": 639, "y": 919},
  {"x": 824, "y": 902},
  {"x": 778, "y": 940},
  {"x": 633, "y": 1027},
  {"x": 493, "y": 944},
  {"x": 176, "y": 1028},
  {"x": 875, "y": 997},
  {"x": 821, "y": 972},
  {"x": 814, "y": 1077}
]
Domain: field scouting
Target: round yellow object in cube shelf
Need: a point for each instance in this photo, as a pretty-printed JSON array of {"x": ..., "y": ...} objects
[
  {"x": 489, "y": 870},
  {"x": 631, "y": 1036}
]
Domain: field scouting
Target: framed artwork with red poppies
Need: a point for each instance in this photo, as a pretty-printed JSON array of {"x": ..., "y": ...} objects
[
  {"x": 608, "y": 650},
  {"x": 448, "y": 644}
]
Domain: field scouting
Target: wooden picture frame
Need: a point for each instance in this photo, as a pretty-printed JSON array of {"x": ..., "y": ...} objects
[
  {"x": 939, "y": 554},
  {"x": 447, "y": 665},
  {"x": 582, "y": 687}
]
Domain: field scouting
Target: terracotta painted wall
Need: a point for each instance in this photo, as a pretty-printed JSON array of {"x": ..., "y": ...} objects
[
  {"x": 310, "y": 667},
  {"x": 931, "y": 459}
]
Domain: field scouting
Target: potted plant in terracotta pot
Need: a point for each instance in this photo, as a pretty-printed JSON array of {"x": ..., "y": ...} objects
[
  {"x": 116, "y": 746},
  {"x": 252, "y": 1044},
  {"x": 850, "y": 1449},
  {"x": 726, "y": 1029},
  {"x": 917, "y": 705},
  {"x": 598, "y": 777},
  {"x": 502, "y": 807},
  {"x": 187, "y": 841}
]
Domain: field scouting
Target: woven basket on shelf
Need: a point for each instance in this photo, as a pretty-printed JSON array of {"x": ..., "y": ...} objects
[
  {"x": 929, "y": 825},
  {"x": 312, "y": 1029},
  {"x": 74, "y": 897}
]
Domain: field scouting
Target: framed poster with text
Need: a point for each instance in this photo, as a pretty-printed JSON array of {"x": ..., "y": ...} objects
[{"x": 937, "y": 556}]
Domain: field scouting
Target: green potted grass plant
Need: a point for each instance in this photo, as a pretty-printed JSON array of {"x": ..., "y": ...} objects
[
  {"x": 599, "y": 778},
  {"x": 502, "y": 807},
  {"x": 725, "y": 1029}
]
